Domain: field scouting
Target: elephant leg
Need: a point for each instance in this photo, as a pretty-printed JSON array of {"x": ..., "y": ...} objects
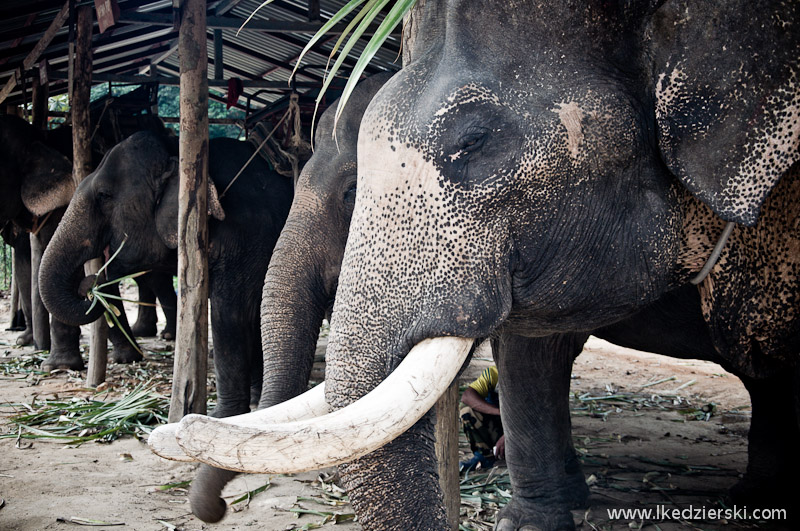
[
  {"x": 546, "y": 476},
  {"x": 146, "y": 318},
  {"x": 237, "y": 365},
  {"x": 22, "y": 271},
  {"x": 772, "y": 462},
  {"x": 64, "y": 339},
  {"x": 39, "y": 314},
  {"x": 162, "y": 286},
  {"x": 126, "y": 350},
  {"x": 65, "y": 347}
]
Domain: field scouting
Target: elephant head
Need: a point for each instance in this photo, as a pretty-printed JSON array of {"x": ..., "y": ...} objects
[
  {"x": 128, "y": 202},
  {"x": 34, "y": 178},
  {"x": 533, "y": 170}
]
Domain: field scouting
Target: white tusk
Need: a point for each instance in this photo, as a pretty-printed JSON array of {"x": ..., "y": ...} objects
[
  {"x": 338, "y": 437},
  {"x": 310, "y": 404}
]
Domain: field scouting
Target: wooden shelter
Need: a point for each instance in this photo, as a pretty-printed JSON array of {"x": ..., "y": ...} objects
[{"x": 53, "y": 47}]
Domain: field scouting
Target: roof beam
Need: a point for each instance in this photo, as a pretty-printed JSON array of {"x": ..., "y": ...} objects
[
  {"x": 40, "y": 47},
  {"x": 172, "y": 80},
  {"x": 230, "y": 23}
]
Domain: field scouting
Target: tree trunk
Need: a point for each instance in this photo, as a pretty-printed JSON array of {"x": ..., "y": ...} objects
[
  {"x": 191, "y": 348},
  {"x": 82, "y": 166}
]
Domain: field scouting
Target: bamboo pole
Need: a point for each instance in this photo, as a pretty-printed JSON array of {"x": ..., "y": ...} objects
[
  {"x": 191, "y": 347},
  {"x": 82, "y": 166}
]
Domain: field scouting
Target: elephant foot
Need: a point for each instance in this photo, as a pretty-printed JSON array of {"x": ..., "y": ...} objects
[
  {"x": 25, "y": 338},
  {"x": 763, "y": 492},
  {"x": 63, "y": 359},
  {"x": 577, "y": 489},
  {"x": 526, "y": 515},
  {"x": 168, "y": 334},
  {"x": 125, "y": 354},
  {"x": 144, "y": 329}
]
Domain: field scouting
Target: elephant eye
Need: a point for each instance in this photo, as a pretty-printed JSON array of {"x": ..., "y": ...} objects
[
  {"x": 350, "y": 194},
  {"x": 472, "y": 140}
]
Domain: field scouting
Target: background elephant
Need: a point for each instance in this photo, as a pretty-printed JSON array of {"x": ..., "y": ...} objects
[
  {"x": 37, "y": 181},
  {"x": 542, "y": 171},
  {"x": 132, "y": 197}
]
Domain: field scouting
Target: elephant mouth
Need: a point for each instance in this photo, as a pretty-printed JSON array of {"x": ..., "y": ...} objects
[{"x": 301, "y": 434}]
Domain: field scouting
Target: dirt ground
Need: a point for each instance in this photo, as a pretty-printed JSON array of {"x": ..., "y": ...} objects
[{"x": 652, "y": 432}]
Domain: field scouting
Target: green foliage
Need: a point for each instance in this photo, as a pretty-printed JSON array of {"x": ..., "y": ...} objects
[
  {"x": 370, "y": 9},
  {"x": 169, "y": 105}
]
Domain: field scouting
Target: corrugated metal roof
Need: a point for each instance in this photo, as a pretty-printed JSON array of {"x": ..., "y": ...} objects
[{"x": 129, "y": 47}]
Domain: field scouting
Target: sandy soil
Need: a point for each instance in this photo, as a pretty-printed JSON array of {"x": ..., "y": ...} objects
[{"x": 654, "y": 444}]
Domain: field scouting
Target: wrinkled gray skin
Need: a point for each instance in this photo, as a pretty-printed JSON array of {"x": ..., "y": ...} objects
[
  {"x": 301, "y": 282},
  {"x": 133, "y": 196},
  {"x": 536, "y": 172}
]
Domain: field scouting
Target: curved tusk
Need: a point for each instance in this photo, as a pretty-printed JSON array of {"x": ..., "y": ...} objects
[
  {"x": 338, "y": 437},
  {"x": 308, "y": 405}
]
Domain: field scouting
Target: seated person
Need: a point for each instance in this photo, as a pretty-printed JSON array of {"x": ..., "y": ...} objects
[{"x": 480, "y": 418}]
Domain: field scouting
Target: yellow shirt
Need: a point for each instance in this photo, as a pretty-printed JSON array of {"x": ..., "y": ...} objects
[{"x": 486, "y": 382}]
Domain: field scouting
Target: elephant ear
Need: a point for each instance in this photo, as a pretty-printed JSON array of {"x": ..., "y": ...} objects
[
  {"x": 46, "y": 179},
  {"x": 727, "y": 91},
  {"x": 167, "y": 206}
]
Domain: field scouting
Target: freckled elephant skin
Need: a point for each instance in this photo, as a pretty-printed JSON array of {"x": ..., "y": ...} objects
[
  {"x": 548, "y": 171},
  {"x": 132, "y": 197}
]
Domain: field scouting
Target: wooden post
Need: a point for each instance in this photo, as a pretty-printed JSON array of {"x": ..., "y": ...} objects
[
  {"x": 446, "y": 447},
  {"x": 40, "y": 317},
  {"x": 14, "y": 291},
  {"x": 39, "y": 104},
  {"x": 313, "y": 10},
  {"x": 191, "y": 346},
  {"x": 82, "y": 166},
  {"x": 218, "y": 61}
]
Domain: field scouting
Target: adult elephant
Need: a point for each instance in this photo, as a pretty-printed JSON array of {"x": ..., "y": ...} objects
[
  {"x": 550, "y": 177},
  {"x": 36, "y": 184},
  {"x": 36, "y": 181},
  {"x": 300, "y": 284},
  {"x": 131, "y": 202}
]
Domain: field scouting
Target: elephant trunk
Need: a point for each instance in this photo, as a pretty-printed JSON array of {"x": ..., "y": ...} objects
[
  {"x": 293, "y": 306},
  {"x": 61, "y": 278}
]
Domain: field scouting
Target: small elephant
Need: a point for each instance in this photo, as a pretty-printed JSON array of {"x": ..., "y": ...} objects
[
  {"x": 130, "y": 204},
  {"x": 540, "y": 171}
]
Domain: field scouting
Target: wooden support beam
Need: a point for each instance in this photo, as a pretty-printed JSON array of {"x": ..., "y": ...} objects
[
  {"x": 39, "y": 315},
  {"x": 313, "y": 10},
  {"x": 218, "y": 64},
  {"x": 231, "y": 23},
  {"x": 39, "y": 95},
  {"x": 40, "y": 47},
  {"x": 446, "y": 448},
  {"x": 191, "y": 347},
  {"x": 173, "y": 80},
  {"x": 82, "y": 166}
]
